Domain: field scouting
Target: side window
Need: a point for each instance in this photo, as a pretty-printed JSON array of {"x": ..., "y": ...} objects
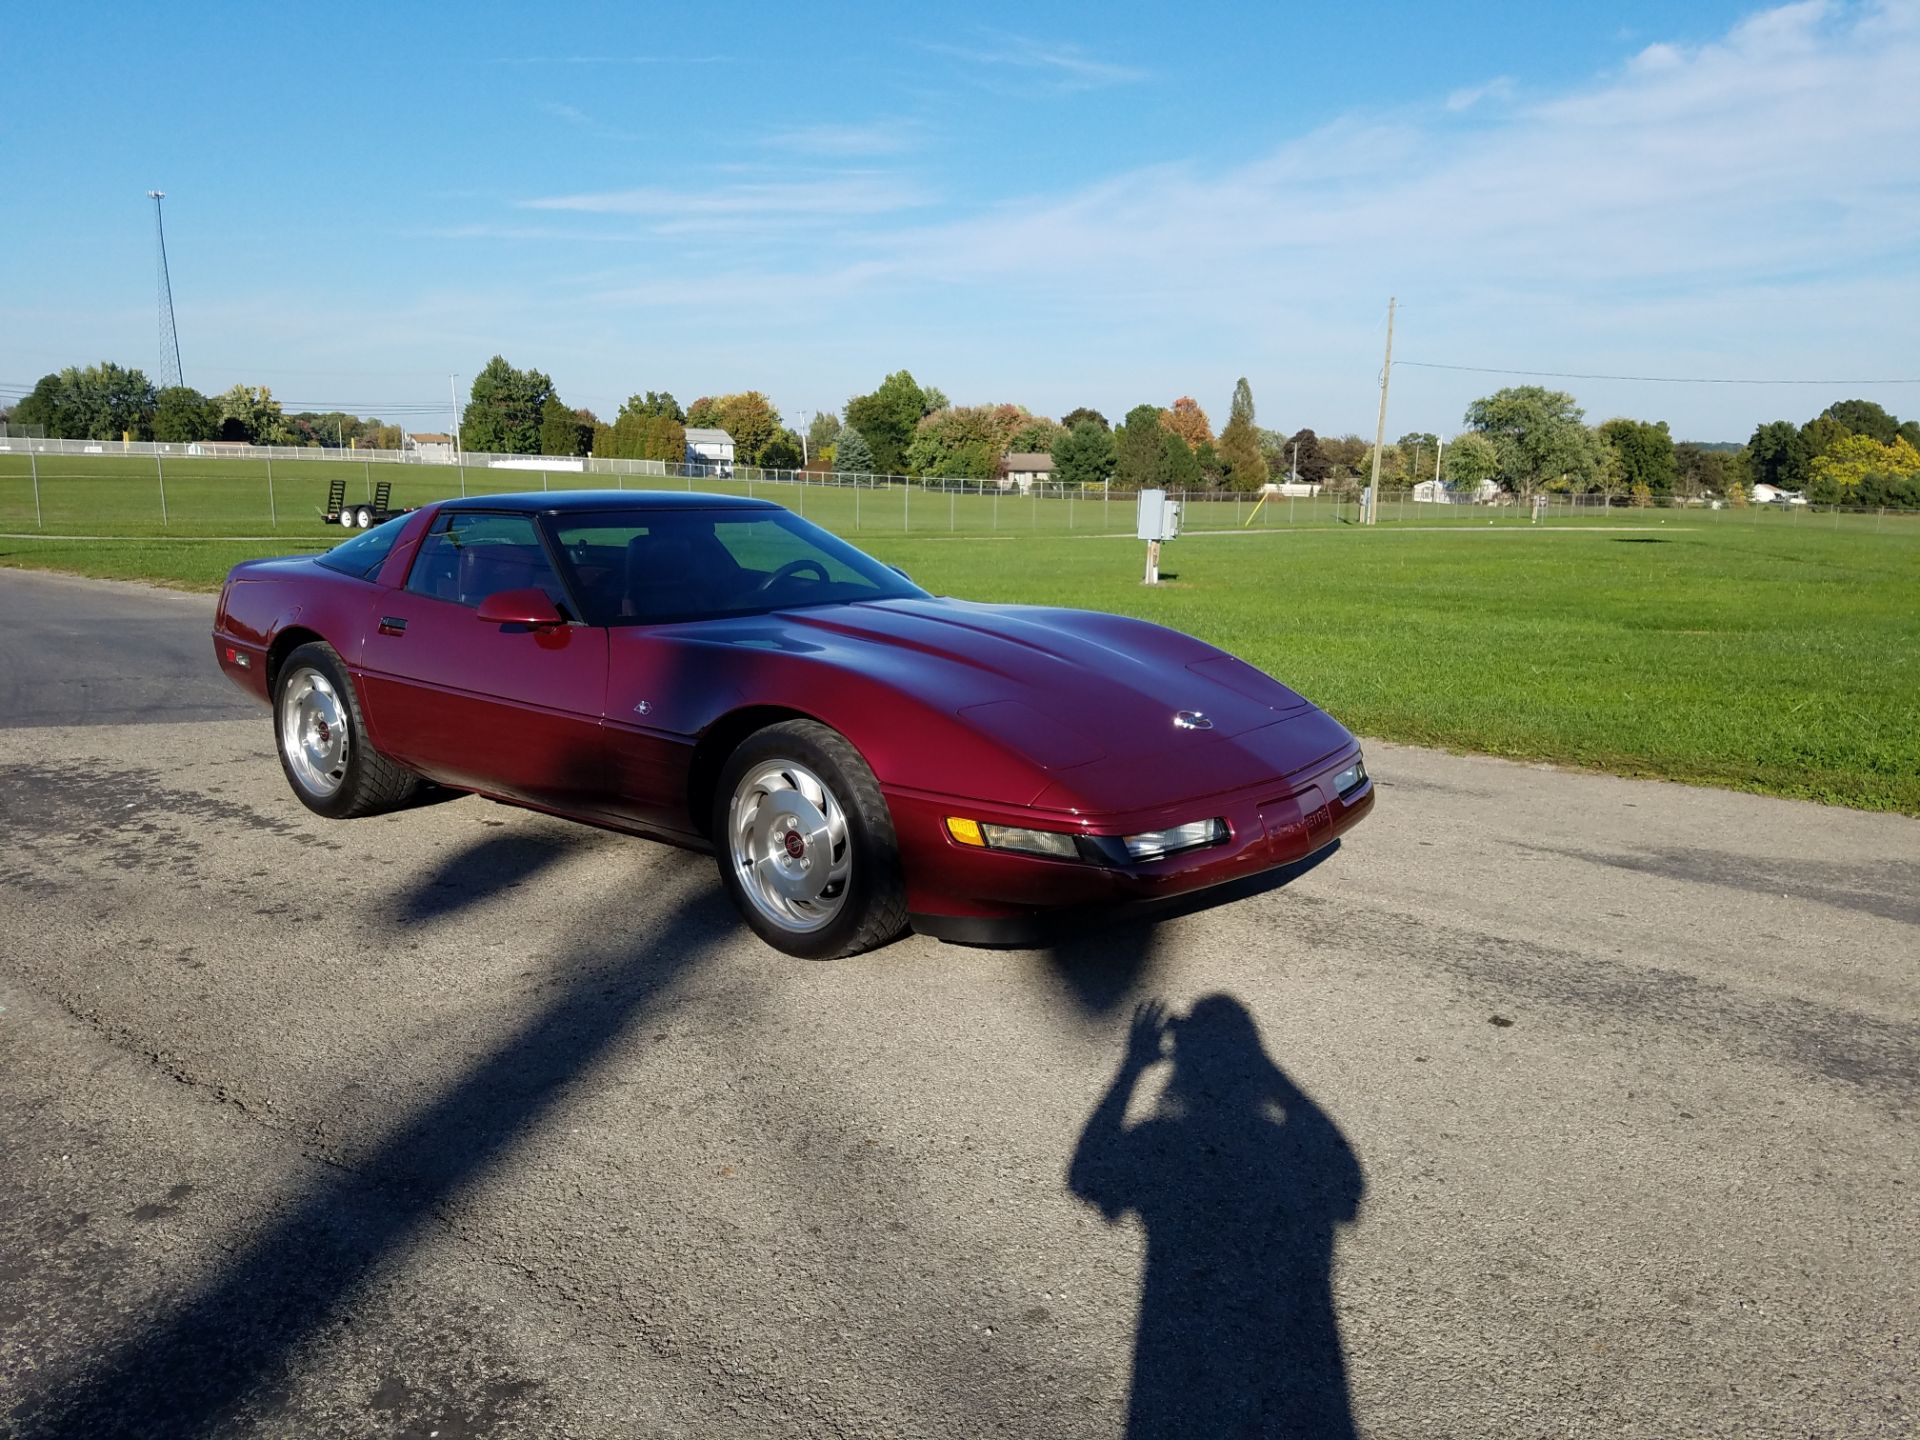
[{"x": 472, "y": 554}]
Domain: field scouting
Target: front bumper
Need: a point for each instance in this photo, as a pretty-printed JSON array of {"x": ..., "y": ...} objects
[{"x": 966, "y": 893}]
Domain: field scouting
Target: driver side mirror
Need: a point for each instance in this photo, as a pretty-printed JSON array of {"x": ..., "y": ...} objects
[
  {"x": 529, "y": 607},
  {"x": 901, "y": 572}
]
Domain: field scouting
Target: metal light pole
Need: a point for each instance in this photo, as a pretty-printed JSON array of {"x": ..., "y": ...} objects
[{"x": 169, "y": 336}]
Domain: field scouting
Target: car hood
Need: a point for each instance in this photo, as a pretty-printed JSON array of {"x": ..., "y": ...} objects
[{"x": 1063, "y": 688}]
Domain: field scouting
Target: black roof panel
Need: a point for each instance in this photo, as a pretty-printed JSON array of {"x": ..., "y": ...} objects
[{"x": 563, "y": 502}]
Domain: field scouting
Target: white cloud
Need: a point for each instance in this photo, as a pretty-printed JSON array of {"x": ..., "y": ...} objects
[
  {"x": 880, "y": 137},
  {"x": 1063, "y": 65},
  {"x": 1792, "y": 144},
  {"x": 833, "y": 197},
  {"x": 1498, "y": 88},
  {"x": 613, "y": 60},
  {"x": 580, "y": 120},
  {"x": 1708, "y": 183}
]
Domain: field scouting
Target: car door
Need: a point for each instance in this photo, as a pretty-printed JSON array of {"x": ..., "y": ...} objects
[
  {"x": 649, "y": 575},
  {"x": 509, "y": 709}
]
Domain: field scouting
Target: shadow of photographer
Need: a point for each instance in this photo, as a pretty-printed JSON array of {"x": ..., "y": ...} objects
[{"x": 1241, "y": 1183}]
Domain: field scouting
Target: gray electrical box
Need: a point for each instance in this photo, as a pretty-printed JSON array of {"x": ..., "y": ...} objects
[{"x": 1159, "y": 516}]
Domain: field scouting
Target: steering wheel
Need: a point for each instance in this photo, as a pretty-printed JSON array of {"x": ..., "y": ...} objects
[{"x": 791, "y": 569}]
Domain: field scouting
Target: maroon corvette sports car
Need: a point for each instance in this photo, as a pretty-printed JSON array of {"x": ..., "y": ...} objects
[{"x": 717, "y": 673}]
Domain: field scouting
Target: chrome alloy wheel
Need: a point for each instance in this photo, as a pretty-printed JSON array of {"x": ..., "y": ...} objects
[
  {"x": 313, "y": 732},
  {"x": 788, "y": 842}
]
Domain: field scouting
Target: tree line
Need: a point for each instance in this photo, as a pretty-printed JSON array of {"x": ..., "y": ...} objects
[
  {"x": 1528, "y": 440},
  {"x": 109, "y": 402},
  {"x": 1522, "y": 440}
]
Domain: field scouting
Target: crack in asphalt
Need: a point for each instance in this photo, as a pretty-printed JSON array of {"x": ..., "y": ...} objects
[
  {"x": 1884, "y": 890},
  {"x": 1877, "y": 1057}
]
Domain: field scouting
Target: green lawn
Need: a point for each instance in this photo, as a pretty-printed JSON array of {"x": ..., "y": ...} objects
[
  {"x": 110, "y": 494},
  {"x": 1774, "y": 656}
]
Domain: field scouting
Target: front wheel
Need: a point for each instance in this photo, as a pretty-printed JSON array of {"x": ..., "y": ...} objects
[
  {"x": 322, "y": 740},
  {"x": 806, "y": 846}
]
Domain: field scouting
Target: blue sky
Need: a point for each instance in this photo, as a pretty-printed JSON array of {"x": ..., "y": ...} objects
[{"x": 1040, "y": 203}]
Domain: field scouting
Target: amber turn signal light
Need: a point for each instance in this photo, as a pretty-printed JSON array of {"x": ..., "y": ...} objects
[{"x": 967, "y": 832}]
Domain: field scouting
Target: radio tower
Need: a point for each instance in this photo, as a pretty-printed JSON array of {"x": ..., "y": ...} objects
[{"x": 169, "y": 339}]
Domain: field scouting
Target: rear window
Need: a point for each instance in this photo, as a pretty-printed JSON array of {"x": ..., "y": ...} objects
[{"x": 362, "y": 556}]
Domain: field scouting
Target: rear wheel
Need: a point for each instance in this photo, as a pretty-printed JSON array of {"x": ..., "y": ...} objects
[
  {"x": 323, "y": 740},
  {"x": 806, "y": 847},
  {"x": 363, "y": 517},
  {"x": 345, "y": 517}
]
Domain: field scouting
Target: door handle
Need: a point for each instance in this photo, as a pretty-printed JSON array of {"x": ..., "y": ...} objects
[{"x": 393, "y": 625}]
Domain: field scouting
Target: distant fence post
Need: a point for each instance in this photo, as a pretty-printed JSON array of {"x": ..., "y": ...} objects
[
  {"x": 366, "y": 465},
  {"x": 34, "y": 461},
  {"x": 160, "y": 469},
  {"x": 463, "y": 479},
  {"x": 273, "y": 510}
]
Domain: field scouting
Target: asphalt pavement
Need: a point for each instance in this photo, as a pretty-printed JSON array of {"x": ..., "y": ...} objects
[{"x": 1548, "y": 1104}]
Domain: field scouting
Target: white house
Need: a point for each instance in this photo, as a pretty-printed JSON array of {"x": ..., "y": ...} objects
[
  {"x": 429, "y": 449},
  {"x": 1024, "y": 469},
  {"x": 1433, "y": 492},
  {"x": 712, "y": 449}
]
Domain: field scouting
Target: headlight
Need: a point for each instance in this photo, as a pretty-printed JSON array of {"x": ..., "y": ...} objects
[
  {"x": 1351, "y": 778},
  {"x": 1031, "y": 842},
  {"x": 1152, "y": 844},
  {"x": 1013, "y": 837}
]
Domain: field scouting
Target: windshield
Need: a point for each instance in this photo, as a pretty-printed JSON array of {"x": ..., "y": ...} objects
[
  {"x": 363, "y": 555},
  {"x": 641, "y": 567}
]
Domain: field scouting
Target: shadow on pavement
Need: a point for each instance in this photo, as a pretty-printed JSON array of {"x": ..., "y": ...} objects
[
  {"x": 478, "y": 872},
  {"x": 1241, "y": 1183},
  {"x": 1111, "y": 958},
  {"x": 219, "y": 1359}
]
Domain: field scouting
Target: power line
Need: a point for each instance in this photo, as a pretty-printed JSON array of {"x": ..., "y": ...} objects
[{"x": 1645, "y": 379}]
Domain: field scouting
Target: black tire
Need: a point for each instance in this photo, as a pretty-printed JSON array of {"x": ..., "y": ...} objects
[
  {"x": 869, "y": 907},
  {"x": 329, "y": 764},
  {"x": 363, "y": 517}
]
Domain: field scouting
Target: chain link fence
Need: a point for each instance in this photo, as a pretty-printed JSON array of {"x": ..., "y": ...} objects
[{"x": 83, "y": 487}]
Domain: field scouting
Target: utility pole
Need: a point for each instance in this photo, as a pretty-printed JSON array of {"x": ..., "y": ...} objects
[
  {"x": 453, "y": 394},
  {"x": 1380, "y": 428}
]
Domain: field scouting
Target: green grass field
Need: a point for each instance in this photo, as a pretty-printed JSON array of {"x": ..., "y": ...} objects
[
  {"x": 114, "y": 495},
  {"x": 1775, "y": 655}
]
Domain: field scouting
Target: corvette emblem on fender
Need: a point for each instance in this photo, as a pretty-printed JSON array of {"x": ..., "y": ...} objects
[{"x": 1191, "y": 720}]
